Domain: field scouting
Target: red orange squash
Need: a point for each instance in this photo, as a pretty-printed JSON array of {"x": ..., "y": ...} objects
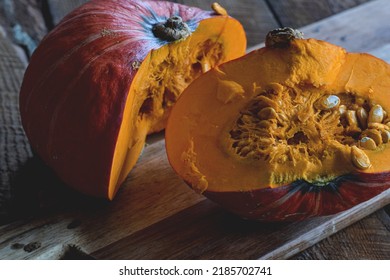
[
  {"x": 293, "y": 130},
  {"x": 108, "y": 75}
]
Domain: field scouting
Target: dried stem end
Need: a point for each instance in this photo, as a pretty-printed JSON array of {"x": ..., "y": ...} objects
[
  {"x": 281, "y": 37},
  {"x": 172, "y": 30},
  {"x": 218, "y": 9}
]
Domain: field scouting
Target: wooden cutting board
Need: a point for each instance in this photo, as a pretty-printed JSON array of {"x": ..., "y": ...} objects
[{"x": 155, "y": 215}]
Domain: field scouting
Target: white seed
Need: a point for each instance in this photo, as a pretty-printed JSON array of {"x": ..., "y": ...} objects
[
  {"x": 374, "y": 134},
  {"x": 359, "y": 158},
  {"x": 327, "y": 102},
  {"x": 267, "y": 113},
  {"x": 342, "y": 109},
  {"x": 367, "y": 143},
  {"x": 362, "y": 116},
  {"x": 385, "y": 136},
  {"x": 376, "y": 114},
  {"x": 352, "y": 118}
]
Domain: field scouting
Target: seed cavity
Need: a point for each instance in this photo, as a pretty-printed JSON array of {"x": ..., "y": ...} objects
[{"x": 288, "y": 126}]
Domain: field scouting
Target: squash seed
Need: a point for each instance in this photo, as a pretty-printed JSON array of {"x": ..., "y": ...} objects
[
  {"x": 359, "y": 158},
  {"x": 362, "y": 116},
  {"x": 342, "y": 110},
  {"x": 352, "y": 118},
  {"x": 385, "y": 136},
  {"x": 379, "y": 126},
  {"x": 374, "y": 134},
  {"x": 367, "y": 143},
  {"x": 327, "y": 102},
  {"x": 267, "y": 113},
  {"x": 376, "y": 114},
  {"x": 265, "y": 124}
]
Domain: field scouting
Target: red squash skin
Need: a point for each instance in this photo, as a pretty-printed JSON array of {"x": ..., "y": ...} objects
[
  {"x": 301, "y": 201},
  {"x": 76, "y": 85}
]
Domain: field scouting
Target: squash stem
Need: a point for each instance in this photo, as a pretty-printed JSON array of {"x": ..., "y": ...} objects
[{"x": 172, "y": 29}]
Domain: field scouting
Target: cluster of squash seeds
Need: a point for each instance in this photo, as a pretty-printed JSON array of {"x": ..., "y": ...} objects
[
  {"x": 286, "y": 125},
  {"x": 370, "y": 124}
]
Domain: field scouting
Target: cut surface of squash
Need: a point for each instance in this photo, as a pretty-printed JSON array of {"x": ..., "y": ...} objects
[
  {"x": 161, "y": 78},
  {"x": 306, "y": 111}
]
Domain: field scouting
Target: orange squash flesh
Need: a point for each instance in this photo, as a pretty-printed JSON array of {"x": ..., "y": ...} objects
[
  {"x": 181, "y": 62},
  {"x": 223, "y": 145}
]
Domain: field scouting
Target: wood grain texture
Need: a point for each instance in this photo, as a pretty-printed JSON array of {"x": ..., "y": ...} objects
[
  {"x": 152, "y": 193},
  {"x": 365, "y": 35},
  {"x": 367, "y": 32},
  {"x": 366, "y": 239},
  {"x": 183, "y": 236},
  {"x": 298, "y": 13}
]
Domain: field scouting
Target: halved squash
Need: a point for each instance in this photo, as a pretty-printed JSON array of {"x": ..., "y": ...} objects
[{"x": 296, "y": 129}]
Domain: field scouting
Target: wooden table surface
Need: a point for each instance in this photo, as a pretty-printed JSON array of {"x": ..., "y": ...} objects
[{"x": 41, "y": 218}]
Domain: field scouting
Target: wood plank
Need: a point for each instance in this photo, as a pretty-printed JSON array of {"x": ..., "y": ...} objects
[
  {"x": 366, "y": 239},
  {"x": 366, "y": 34},
  {"x": 298, "y": 13},
  {"x": 228, "y": 237},
  {"x": 67, "y": 218}
]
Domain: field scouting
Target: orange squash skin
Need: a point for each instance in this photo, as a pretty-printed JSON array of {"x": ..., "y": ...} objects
[
  {"x": 199, "y": 125},
  {"x": 76, "y": 87}
]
